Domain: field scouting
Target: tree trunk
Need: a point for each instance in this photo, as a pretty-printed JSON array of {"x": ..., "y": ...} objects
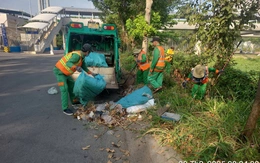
[
  {"x": 253, "y": 117},
  {"x": 149, "y": 4}
]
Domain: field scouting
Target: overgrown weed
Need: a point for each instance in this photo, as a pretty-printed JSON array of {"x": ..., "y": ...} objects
[{"x": 208, "y": 129}]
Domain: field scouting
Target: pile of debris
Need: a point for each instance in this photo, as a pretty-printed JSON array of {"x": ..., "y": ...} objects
[
  {"x": 126, "y": 110},
  {"x": 109, "y": 113}
]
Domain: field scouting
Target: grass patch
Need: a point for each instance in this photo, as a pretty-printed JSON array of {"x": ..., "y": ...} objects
[
  {"x": 247, "y": 63},
  {"x": 209, "y": 129}
]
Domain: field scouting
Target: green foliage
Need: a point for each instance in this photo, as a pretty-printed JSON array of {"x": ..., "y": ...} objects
[
  {"x": 178, "y": 36},
  {"x": 184, "y": 62},
  {"x": 221, "y": 151},
  {"x": 253, "y": 40},
  {"x": 127, "y": 61},
  {"x": 247, "y": 153},
  {"x": 59, "y": 41},
  {"x": 246, "y": 63},
  {"x": 232, "y": 84},
  {"x": 219, "y": 24},
  {"x": 236, "y": 84},
  {"x": 138, "y": 28},
  {"x": 208, "y": 130},
  {"x": 119, "y": 12}
]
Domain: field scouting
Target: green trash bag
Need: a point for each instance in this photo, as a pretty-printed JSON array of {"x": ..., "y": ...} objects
[{"x": 86, "y": 87}]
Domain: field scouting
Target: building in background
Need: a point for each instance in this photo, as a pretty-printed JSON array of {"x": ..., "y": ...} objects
[
  {"x": 42, "y": 4},
  {"x": 10, "y": 20}
]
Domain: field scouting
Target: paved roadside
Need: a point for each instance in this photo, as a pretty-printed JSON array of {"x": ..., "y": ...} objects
[{"x": 34, "y": 129}]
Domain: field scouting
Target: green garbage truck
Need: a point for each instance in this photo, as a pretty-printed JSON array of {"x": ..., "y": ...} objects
[{"x": 104, "y": 40}]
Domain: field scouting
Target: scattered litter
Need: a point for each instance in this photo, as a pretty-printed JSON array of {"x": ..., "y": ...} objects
[
  {"x": 110, "y": 132},
  {"x": 76, "y": 106},
  {"x": 86, "y": 148},
  {"x": 115, "y": 145},
  {"x": 78, "y": 117},
  {"x": 162, "y": 110},
  {"x": 140, "y": 108},
  {"x": 52, "y": 91},
  {"x": 91, "y": 114},
  {"x": 132, "y": 115},
  {"x": 114, "y": 114},
  {"x": 112, "y": 105},
  {"x": 101, "y": 107},
  {"x": 83, "y": 116},
  {"x": 107, "y": 118},
  {"x": 110, "y": 155},
  {"x": 126, "y": 152},
  {"x": 171, "y": 116},
  {"x": 110, "y": 150}
]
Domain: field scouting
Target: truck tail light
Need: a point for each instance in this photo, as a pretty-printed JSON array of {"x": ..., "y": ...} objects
[
  {"x": 109, "y": 27},
  {"x": 76, "y": 25}
]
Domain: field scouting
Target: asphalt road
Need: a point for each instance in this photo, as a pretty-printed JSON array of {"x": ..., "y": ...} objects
[{"x": 33, "y": 128}]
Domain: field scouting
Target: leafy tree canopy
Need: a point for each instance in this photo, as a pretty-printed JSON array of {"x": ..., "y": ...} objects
[
  {"x": 219, "y": 23},
  {"x": 119, "y": 11},
  {"x": 126, "y": 9},
  {"x": 138, "y": 27}
]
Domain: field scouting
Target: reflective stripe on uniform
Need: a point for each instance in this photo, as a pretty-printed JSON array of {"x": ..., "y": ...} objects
[
  {"x": 60, "y": 84},
  {"x": 161, "y": 62},
  {"x": 61, "y": 64},
  {"x": 143, "y": 66}
]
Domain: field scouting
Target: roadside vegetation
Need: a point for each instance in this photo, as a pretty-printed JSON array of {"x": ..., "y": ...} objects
[
  {"x": 224, "y": 126},
  {"x": 208, "y": 129}
]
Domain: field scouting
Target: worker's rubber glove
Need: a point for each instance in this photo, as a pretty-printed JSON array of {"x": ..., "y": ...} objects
[
  {"x": 79, "y": 69},
  {"x": 184, "y": 84}
]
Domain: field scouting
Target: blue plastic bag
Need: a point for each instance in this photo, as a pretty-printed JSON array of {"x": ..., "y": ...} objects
[
  {"x": 136, "y": 97},
  {"x": 95, "y": 59},
  {"x": 86, "y": 87}
]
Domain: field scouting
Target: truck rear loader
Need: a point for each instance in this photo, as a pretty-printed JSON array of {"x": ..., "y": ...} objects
[{"x": 104, "y": 40}]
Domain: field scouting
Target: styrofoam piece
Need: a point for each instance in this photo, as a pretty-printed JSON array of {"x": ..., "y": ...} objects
[
  {"x": 171, "y": 116},
  {"x": 140, "y": 108}
]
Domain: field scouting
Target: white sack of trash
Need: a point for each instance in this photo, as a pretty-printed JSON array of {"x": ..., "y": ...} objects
[{"x": 140, "y": 108}]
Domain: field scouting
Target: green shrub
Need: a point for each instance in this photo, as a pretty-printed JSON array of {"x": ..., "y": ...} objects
[
  {"x": 127, "y": 61},
  {"x": 236, "y": 84},
  {"x": 219, "y": 151},
  {"x": 208, "y": 129}
]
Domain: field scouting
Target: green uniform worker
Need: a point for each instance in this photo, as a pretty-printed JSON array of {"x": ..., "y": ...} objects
[
  {"x": 199, "y": 76},
  {"x": 155, "y": 77},
  {"x": 143, "y": 68},
  {"x": 168, "y": 59},
  {"x": 63, "y": 70}
]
